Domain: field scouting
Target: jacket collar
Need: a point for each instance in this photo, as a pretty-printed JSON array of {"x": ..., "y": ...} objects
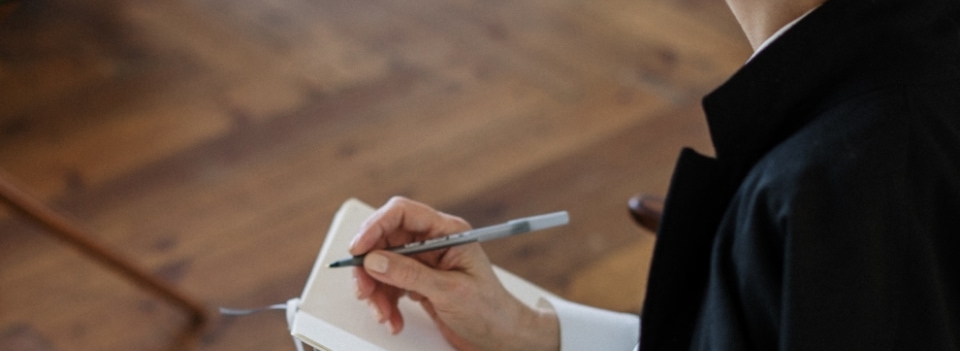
[{"x": 841, "y": 49}]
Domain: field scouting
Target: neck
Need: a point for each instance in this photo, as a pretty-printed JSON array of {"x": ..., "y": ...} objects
[{"x": 759, "y": 19}]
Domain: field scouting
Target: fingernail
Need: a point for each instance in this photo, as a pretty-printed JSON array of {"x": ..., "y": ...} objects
[
  {"x": 393, "y": 329},
  {"x": 376, "y": 312},
  {"x": 376, "y": 263}
]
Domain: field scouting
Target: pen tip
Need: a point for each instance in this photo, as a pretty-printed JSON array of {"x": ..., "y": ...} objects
[{"x": 334, "y": 265}]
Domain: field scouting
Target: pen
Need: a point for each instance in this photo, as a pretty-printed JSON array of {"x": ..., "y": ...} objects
[{"x": 514, "y": 227}]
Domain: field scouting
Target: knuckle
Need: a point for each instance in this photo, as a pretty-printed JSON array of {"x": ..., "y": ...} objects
[
  {"x": 398, "y": 201},
  {"x": 461, "y": 222},
  {"x": 452, "y": 223}
]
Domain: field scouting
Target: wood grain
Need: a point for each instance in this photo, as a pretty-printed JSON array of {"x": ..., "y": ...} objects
[{"x": 213, "y": 140}]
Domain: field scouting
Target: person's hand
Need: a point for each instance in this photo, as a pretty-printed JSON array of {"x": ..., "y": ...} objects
[{"x": 456, "y": 286}]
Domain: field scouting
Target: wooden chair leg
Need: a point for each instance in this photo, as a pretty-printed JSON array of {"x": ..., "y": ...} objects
[{"x": 66, "y": 230}]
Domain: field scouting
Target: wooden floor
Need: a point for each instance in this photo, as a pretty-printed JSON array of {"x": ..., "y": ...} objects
[{"x": 212, "y": 140}]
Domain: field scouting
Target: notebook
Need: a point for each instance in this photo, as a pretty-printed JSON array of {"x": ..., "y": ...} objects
[{"x": 330, "y": 318}]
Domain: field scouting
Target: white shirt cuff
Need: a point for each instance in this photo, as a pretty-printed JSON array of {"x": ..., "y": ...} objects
[{"x": 585, "y": 328}]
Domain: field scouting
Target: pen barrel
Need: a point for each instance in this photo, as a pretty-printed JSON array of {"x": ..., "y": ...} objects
[
  {"x": 505, "y": 230},
  {"x": 545, "y": 221},
  {"x": 513, "y": 227},
  {"x": 443, "y": 242}
]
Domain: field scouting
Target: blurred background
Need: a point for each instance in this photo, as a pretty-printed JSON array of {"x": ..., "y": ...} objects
[{"x": 211, "y": 142}]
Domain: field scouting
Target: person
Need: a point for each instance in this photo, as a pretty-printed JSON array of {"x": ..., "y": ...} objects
[{"x": 828, "y": 219}]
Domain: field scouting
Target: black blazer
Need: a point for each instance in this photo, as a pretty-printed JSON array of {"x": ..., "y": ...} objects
[{"x": 830, "y": 217}]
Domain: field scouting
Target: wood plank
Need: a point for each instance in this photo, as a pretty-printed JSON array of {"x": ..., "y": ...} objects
[{"x": 213, "y": 140}]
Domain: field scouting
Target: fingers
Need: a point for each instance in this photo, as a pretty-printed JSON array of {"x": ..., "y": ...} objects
[
  {"x": 400, "y": 221},
  {"x": 407, "y": 273},
  {"x": 365, "y": 284},
  {"x": 385, "y": 278},
  {"x": 383, "y": 305},
  {"x": 382, "y": 299}
]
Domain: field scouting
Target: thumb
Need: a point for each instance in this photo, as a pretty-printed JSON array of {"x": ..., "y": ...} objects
[{"x": 405, "y": 273}]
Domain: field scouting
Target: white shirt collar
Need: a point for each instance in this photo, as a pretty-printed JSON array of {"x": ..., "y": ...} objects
[{"x": 778, "y": 33}]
